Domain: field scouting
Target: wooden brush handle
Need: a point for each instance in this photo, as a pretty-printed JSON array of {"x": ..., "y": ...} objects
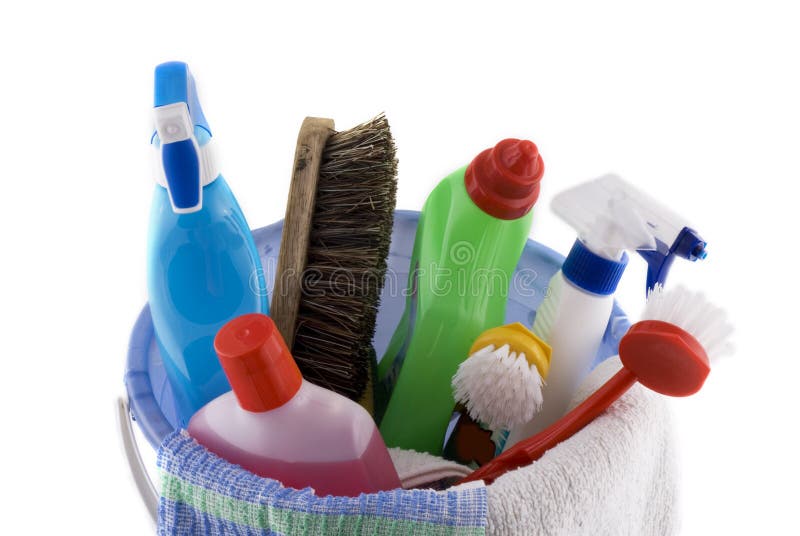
[{"x": 314, "y": 133}]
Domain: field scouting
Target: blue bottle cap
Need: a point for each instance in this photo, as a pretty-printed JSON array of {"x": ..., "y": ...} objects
[{"x": 591, "y": 272}]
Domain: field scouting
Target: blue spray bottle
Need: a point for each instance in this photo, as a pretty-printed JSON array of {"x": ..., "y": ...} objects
[{"x": 202, "y": 265}]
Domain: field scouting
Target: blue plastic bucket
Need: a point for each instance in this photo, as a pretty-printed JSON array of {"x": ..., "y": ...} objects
[{"x": 150, "y": 395}]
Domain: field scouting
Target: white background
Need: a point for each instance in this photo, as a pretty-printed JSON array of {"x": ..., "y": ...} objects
[{"x": 699, "y": 103}]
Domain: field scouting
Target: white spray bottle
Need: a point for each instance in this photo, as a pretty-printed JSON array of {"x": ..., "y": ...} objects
[{"x": 611, "y": 216}]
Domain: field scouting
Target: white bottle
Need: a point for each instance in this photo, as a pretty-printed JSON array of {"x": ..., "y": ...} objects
[{"x": 573, "y": 316}]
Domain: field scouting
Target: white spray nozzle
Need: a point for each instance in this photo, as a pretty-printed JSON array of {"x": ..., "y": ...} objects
[
  {"x": 173, "y": 122},
  {"x": 611, "y": 216},
  {"x": 619, "y": 228},
  {"x": 634, "y": 212}
]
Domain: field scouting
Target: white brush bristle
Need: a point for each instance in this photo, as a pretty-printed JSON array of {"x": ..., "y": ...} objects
[
  {"x": 692, "y": 312},
  {"x": 498, "y": 387}
]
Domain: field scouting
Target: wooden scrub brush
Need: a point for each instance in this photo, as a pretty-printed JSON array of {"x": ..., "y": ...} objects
[{"x": 335, "y": 242}]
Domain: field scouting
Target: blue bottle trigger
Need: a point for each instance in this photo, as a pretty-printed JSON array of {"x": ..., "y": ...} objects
[
  {"x": 180, "y": 157},
  {"x": 687, "y": 245},
  {"x": 185, "y": 162},
  {"x": 182, "y": 170}
]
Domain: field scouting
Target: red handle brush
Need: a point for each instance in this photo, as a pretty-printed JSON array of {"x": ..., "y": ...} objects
[{"x": 668, "y": 351}]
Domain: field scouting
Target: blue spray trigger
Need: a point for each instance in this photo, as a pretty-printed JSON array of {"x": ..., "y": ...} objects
[
  {"x": 182, "y": 134},
  {"x": 182, "y": 170},
  {"x": 688, "y": 245},
  {"x": 179, "y": 157}
]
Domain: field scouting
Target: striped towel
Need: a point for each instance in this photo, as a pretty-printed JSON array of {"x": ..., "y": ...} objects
[{"x": 203, "y": 494}]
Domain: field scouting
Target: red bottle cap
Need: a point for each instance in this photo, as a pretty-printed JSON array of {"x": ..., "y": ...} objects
[
  {"x": 504, "y": 180},
  {"x": 259, "y": 366}
]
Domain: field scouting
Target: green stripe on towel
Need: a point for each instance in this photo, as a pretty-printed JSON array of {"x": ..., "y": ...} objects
[{"x": 289, "y": 521}]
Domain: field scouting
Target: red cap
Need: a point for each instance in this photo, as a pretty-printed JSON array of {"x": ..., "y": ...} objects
[
  {"x": 259, "y": 366},
  {"x": 664, "y": 357},
  {"x": 504, "y": 180}
]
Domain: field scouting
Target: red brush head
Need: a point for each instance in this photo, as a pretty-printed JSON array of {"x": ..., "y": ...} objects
[{"x": 664, "y": 358}]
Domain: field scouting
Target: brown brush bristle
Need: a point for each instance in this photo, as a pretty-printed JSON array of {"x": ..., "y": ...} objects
[{"x": 346, "y": 263}]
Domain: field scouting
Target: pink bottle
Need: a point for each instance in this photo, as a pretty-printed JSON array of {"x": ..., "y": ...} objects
[{"x": 284, "y": 427}]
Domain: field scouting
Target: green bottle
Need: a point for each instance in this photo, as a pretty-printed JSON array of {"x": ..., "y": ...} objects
[{"x": 469, "y": 239}]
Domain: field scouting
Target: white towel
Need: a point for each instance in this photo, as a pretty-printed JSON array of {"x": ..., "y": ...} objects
[
  {"x": 617, "y": 476},
  {"x": 420, "y": 469}
]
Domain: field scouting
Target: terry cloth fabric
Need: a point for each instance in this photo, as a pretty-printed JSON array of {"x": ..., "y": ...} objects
[
  {"x": 202, "y": 494},
  {"x": 420, "y": 469},
  {"x": 617, "y": 476}
]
